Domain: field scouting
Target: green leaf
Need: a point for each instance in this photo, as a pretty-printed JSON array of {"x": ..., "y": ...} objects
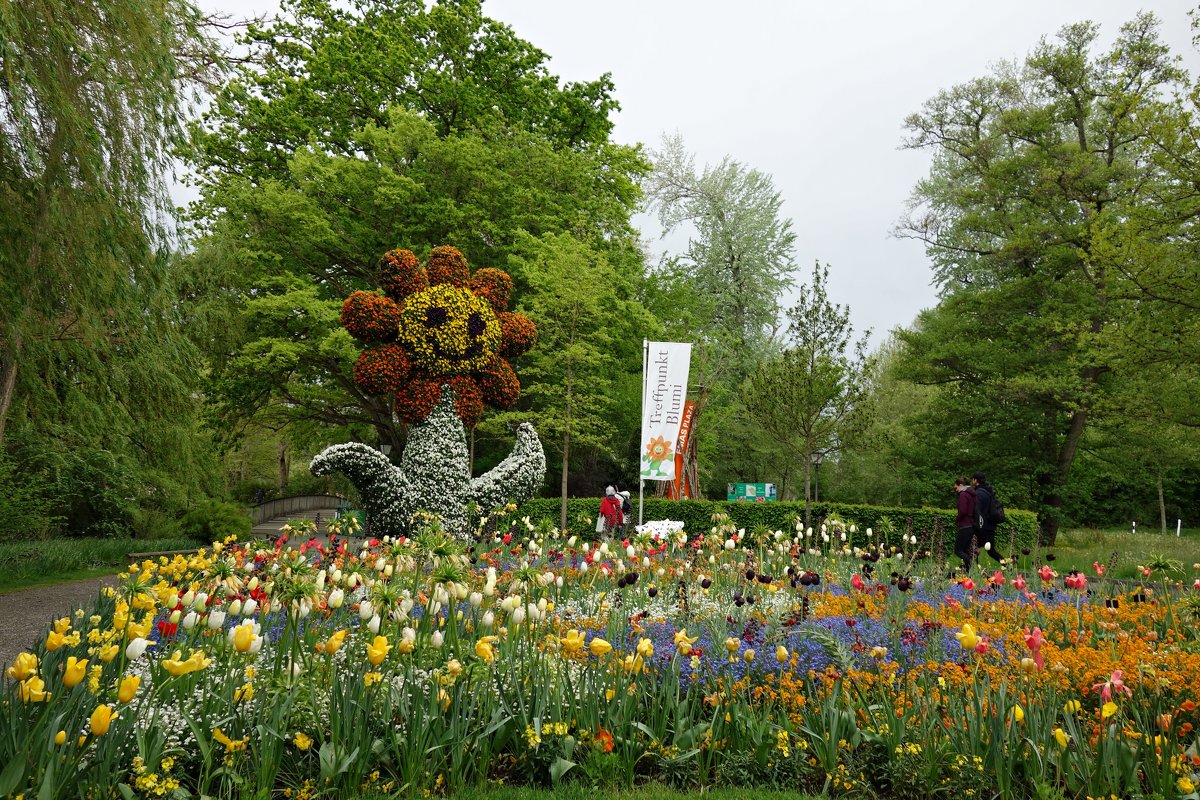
[
  {"x": 11, "y": 776},
  {"x": 559, "y": 768}
]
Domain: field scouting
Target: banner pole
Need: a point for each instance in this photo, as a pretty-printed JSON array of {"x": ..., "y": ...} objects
[{"x": 641, "y": 480}]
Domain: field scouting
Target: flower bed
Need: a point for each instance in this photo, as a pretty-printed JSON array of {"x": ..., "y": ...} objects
[{"x": 706, "y": 658}]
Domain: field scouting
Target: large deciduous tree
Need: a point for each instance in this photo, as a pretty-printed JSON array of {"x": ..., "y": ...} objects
[
  {"x": 1042, "y": 207},
  {"x": 356, "y": 129},
  {"x": 722, "y": 294}
]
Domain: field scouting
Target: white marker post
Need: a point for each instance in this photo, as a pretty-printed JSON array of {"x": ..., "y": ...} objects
[
  {"x": 645, "y": 373},
  {"x": 1178, "y": 527},
  {"x": 1134, "y": 527}
]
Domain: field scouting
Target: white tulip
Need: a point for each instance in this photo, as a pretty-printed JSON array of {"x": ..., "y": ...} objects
[
  {"x": 583, "y": 566},
  {"x": 373, "y": 624},
  {"x": 406, "y": 605},
  {"x": 321, "y": 581},
  {"x": 200, "y": 602},
  {"x": 408, "y": 633},
  {"x": 489, "y": 619},
  {"x": 476, "y": 599},
  {"x": 216, "y": 618},
  {"x": 336, "y": 598},
  {"x": 730, "y": 544},
  {"x": 518, "y": 616},
  {"x": 435, "y": 641},
  {"x": 365, "y": 610},
  {"x": 542, "y": 605},
  {"x": 572, "y": 540},
  {"x": 630, "y": 552},
  {"x": 389, "y": 570},
  {"x": 249, "y": 607},
  {"x": 188, "y": 598},
  {"x": 175, "y": 615},
  {"x": 645, "y": 562},
  {"x": 136, "y": 648}
]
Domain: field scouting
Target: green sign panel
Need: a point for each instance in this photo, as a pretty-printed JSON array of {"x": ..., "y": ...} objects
[{"x": 751, "y": 492}]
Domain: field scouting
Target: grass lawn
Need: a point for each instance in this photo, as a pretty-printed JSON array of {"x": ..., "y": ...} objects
[
  {"x": 41, "y": 562},
  {"x": 1079, "y": 548}
]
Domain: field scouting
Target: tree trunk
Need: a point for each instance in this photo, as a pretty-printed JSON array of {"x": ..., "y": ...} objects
[
  {"x": 807, "y": 491},
  {"x": 1052, "y": 482},
  {"x": 283, "y": 467},
  {"x": 8, "y": 383},
  {"x": 566, "y": 458},
  {"x": 1162, "y": 505}
]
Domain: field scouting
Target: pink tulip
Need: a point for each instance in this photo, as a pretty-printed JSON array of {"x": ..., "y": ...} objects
[
  {"x": 1034, "y": 639},
  {"x": 857, "y": 582},
  {"x": 1115, "y": 682},
  {"x": 1047, "y": 574},
  {"x": 968, "y": 584},
  {"x": 1019, "y": 583},
  {"x": 1096, "y": 565},
  {"x": 998, "y": 578}
]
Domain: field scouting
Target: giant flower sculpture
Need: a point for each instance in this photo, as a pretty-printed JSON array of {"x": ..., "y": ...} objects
[
  {"x": 436, "y": 325},
  {"x": 437, "y": 342}
]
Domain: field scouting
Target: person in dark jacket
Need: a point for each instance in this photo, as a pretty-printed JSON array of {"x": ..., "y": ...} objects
[
  {"x": 985, "y": 528},
  {"x": 965, "y": 521}
]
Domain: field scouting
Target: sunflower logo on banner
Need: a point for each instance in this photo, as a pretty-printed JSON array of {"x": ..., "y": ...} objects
[{"x": 664, "y": 393}]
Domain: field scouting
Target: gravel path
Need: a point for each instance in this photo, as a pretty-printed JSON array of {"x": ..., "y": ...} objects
[{"x": 26, "y": 615}]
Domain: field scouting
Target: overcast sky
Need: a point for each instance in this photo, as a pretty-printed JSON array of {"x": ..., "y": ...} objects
[{"x": 815, "y": 94}]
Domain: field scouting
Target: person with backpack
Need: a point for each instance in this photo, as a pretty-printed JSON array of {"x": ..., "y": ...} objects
[
  {"x": 964, "y": 522},
  {"x": 611, "y": 519},
  {"x": 989, "y": 513},
  {"x": 626, "y": 510}
]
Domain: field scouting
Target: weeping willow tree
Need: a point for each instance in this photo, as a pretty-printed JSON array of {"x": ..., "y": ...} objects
[{"x": 96, "y": 378}]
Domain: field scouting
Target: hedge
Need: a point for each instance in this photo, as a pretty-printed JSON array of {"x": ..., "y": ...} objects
[{"x": 1019, "y": 531}]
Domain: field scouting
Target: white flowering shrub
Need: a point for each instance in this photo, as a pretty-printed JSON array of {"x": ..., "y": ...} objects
[
  {"x": 434, "y": 475},
  {"x": 660, "y": 529}
]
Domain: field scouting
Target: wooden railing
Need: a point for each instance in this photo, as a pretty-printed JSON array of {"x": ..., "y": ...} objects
[{"x": 285, "y": 506}]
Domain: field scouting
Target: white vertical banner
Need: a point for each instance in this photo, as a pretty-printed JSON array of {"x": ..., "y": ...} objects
[{"x": 664, "y": 392}]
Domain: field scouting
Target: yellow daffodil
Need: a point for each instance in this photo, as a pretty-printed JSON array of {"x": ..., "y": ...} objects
[
  {"x": 967, "y": 636},
  {"x": 302, "y": 741},
  {"x": 74, "y": 672},
  {"x": 645, "y": 648},
  {"x": 1108, "y": 709},
  {"x": 101, "y": 719},
  {"x": 1072, "y": 707},
  {"x": 128, "y": 688},
  {"x": 33, "y": 690},
  {"x": 24, "y": 665},
  {"x": 599, "y": 647},
  {"x": 1061, "y": 737},
  {"x": 377, "y": 650},
  {"x": 572, "y": 643},
  {"x": 1185, "y": 785},
  {"x": 683, "y": 642},
  {"x": 62, "y": 625},
  {"x": 633, "y": 664},
  {"x": 372, "y": 678}
]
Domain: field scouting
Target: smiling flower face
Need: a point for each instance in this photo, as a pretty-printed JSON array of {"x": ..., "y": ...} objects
[
  {"x": 438, "y": 324},
  {"x": 449, "y": 331}
]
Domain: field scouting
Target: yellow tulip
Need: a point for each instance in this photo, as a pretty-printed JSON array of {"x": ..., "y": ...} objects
[
  {"x": 645, "y": 648},
  {"x": 967, "y": 637},
  {"x": 405, "y": 645},
  {"x": 60, "y": 737},
  {"x": 781, "y": 654},
  {"x": 54, "y": 640},
  {"x": 572, "y": 643},
  {"x": 101, "y": 720},
  {"x": 377, "y": 651},
  {"x": 599, "y": 647},
  {"x": 333, "y": 644},
  {"x": 243, "y": 637},
  {"x": 128, "y": 688},
  {"x": 24, "y": 665},
  {"x": 732, "y": 644},
  {"x": 108, "y": 653},
  {"x": 74, "y": 672},
  {"x": 485, "y": 650},
  {"x": 1018, "y": 713},
  {"x": 1061, "y": 737},
  {"x": 683, "y": 642},
  {"x": 33, "y": 690},
  {"x": 62, "y": 625},
  {"x": 634, "y": 664},
  {"x": 1072, "y": 706}
]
